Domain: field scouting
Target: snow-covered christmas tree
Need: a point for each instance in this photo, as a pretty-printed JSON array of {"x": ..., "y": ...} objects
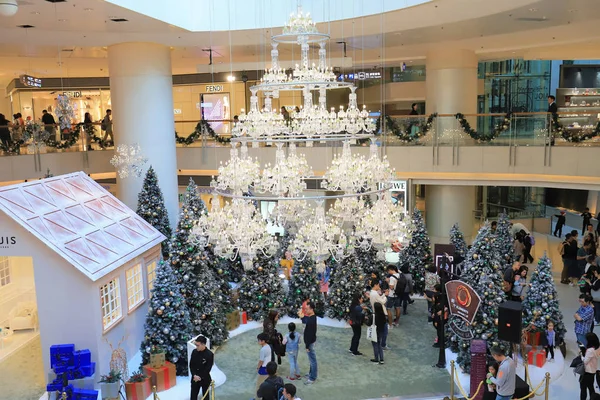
[
  {"x": 214, "y": 263},
  {"x": 185, "y": 255},
  {"x": 369, "y": 262},
  {"x": 261, "y": 289},
  {"x": 232, "y": 270},
  {"x": 347, "y": 278},
  {"x": 481, "y": 272},
  {"x": 541, "y": 300},
  {"x": 417, "y": 254},
  {"x": 167, "y": 326},
  {"x": 458, "y": 240},
  {"x": 503, "y": 242},
  {"x": 303, "y": 283},
  {"x": 151, "y": 207}
]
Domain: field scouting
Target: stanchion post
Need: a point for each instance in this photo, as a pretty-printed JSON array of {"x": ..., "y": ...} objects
[
  {"x": 154, "y": 395},
  {"x": 452, "y": 380},
  {"x": 212, "y": 390},
  {"x": 546, "y": 394}
]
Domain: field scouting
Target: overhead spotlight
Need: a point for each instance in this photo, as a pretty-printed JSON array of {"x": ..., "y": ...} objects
[
  {"x": 8, "y": 8},
  {"x": 230, "y": 78}
]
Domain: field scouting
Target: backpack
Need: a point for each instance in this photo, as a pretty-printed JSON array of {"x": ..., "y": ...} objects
[
  {"x": 103, "y": 125},
  {"x": 369, "y": 318},
  {"x": 401, "y": 283},
  {"x": 280, "y": 393},
  {"x": 532, "y": 240}
]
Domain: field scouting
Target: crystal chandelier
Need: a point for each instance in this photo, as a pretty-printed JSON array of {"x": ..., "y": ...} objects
[
  {"x": 289, "y": 214},
  {"x": 320, "y": 238},
  {"x": 300, "y": 23},
  {"x": 287, "y": 176},
  {"x": 382, "y": 225},
  {"x": 236, "y": 229},
  {"x": 239, "y": 172},
  {"x": 352, "y": 173}
]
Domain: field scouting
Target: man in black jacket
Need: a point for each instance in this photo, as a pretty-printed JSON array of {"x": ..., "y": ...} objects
[
  {"x": 310, "y": 337},
  {"x": 201, "y": 363},
  {"x": 269, "y": 389},
  {"x": 552, "y": 110}
]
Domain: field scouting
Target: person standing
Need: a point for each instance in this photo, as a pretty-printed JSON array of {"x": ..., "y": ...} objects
[
  {"x": 49, "y": 123},
  {"x": 506, "y": 379},
  {"x": 408, "y": 288},
  {"x": 357, "y": 317},
  {"x": 107, "y": 126},
  {"x": 560, "y": 222},
  {"x": 519, "y": 284},
  {"x": 310, "y": 338},
  {"x": 5, "y": 131},
  {"x": 289, "y": 392},
  {"x": 414, "y": 109},
  {"x": 287, "y": 264},
  {"x": 291, "y": 341},
  {"x": 201, "y": 362},
  {"x": 584, "y": 318},
  {"x": 264, "y": 357},
  {"x": 379, "y": 320},
  {"x": 590, "y": 362},
  {"x": 509, "y": 277},
  {"x": 431, "y": 279},
  {"x": 269, "y": 389},
  {"x": 376, "y": 297},
  {"x": 270, "y": 329},
  {"x": 527, "y": 245},
  {"x": 587, "y": 218},
  {"x": 393, "y": 299}
]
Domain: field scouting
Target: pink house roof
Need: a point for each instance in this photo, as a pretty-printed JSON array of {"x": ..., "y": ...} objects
[{"x": 81, "y": 221}]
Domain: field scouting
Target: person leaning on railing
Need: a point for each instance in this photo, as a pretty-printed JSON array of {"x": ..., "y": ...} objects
[{"x": 552, "y": 109}]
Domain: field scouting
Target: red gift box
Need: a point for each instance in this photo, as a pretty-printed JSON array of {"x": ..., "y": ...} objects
[
  {"x": 533, "y": 338},
  {"x": 163, "y": 378},
  {"x": 138, "y": 390},
  {"x": 243, "y": 317},
  {"x": 537, "y": 358}
]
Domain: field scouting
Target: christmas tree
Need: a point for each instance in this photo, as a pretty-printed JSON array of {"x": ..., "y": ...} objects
[
  {"x": 185, "y": 255},
  {"x": 151, "y": 207},
  {"x": 458, "y": 240},
  {"x": 347, "y": 279},
  {"x": 211, "y": 306},
  {"x": 285, "y": 241},
  {"x": 369, "y": 262},
  {"x": 541, "y": 300},
  {"x": 303, "y": 283},
  {"x": 417, "y": 254},
  {"x": 232, "y": 270},
  {"x": 503, "y": 243},
  {"x": 481, "y": 272},
  {"x": 261, "y": 290},
  {"x": 167, "y": 325},
  {"x": 208, "y": 260}
]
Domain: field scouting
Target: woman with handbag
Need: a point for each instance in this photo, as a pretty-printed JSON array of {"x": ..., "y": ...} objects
[
  {"x": 379, "y": 321},
  {"x": 269, "y": 329},
  {"x": 590, "y": 362},
  {"x": 357, "y": 316}
]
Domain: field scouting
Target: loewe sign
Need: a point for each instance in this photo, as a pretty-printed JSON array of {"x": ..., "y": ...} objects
[{"x": 6, "y": 241}]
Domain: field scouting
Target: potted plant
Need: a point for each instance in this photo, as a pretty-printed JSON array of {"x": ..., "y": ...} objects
[
  {"x": 138, "y": 387},
  {"x": 110, "y": 385}
]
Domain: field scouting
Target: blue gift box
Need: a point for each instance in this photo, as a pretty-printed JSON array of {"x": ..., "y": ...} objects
[
  {"x": 60, "y": 349},
  {"x": 60, "y": 369},
  {"x": 88, "y": 370},
  {"x": 53, "y": 387},
  {"x": 82, "y": 358},
  {"x": 83, "y": 394}
]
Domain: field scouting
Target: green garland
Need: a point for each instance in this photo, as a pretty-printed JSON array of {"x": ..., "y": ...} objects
[
  {"x": 14, "y": 147},
  {"x": 406, "y": 135},
  {"x": 572, "y": 137},
  {"x": 203, "y": 127},
  {"x": 483, "y": 137},
  {"x": 71, "y": 141}
]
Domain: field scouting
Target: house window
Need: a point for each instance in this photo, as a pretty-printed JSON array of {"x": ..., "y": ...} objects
[
  {"x": 110, "y": 298},
  {"x": 135, "y": 289},
  {"x": 151, "y": 268},
  {"x": 4, "y": 271}
]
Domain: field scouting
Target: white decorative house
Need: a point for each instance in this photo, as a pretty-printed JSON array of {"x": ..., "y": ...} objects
[{"x": 91, "y": 265}]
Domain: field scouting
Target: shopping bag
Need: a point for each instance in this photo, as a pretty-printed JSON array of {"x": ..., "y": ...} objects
[{"x": 372, "y": 333}]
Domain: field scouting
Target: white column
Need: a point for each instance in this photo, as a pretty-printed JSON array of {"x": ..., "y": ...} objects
[
  {"x": 446, "y": 205},
  {"x": 451, "y": 81},
  {"x": 141, "y": 89}
]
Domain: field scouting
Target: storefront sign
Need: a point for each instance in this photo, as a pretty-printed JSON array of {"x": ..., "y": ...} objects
[
  {"x": 7, "y": 241},
  {"x": 72, "y": 94},
  {"x": 177, "y": 111},
  {"x": 463, "y": 301},
  {"x": 398, "y": 193},
  {"x": 30, "y": 81},
  {"x": 214, "y": 88}
]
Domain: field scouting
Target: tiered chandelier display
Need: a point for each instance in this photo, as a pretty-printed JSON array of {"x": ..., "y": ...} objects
[
  {"x": 239, "y": 229},
  {"x": 312, "y": 120}
]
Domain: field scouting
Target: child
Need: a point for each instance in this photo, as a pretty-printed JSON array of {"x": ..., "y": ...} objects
[
  {"x": 519, "y": 284},
  {"x": 490, "y": 392},
  {"x": 324, "y": 281},
  {"x": 264, "y": 356},
  {"x": 291, "y": 341},
  {"x": 302, "y": 311},
  {"x": 550, "y": 342}
]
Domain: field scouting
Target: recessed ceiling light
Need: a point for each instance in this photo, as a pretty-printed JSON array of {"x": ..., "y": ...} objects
[
  {"x": 35, "y": 12},
  {"x": 533, "y": 9},
  {"x": 62, "y": 20},
  {"x": 88, "y": 9}
]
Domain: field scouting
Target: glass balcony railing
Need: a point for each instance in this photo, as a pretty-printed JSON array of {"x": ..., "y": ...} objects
[{"x": 517, "y": 129}]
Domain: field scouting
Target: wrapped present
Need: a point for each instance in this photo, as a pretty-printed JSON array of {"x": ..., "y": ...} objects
[
  {"x": 84, "y": 394},
  {"x": 138, "y": 390},
  {"x": 53, "y": 387},
  {"x": 163, "y": 378},
  {"x": 233, "y": 320},
  {"x": 533, "y": 338},
  {"x": 537, "y": 358},
  {"x": 82, "y": 358},
  {"x": 61, "y": 354},
  {"x": 157, "y": 360},
  {"x": 243, "y": 318},
  {"x": 88, "y": 370}
]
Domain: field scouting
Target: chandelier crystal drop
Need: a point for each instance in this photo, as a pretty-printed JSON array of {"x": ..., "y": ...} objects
[
  {"x": 289, "y": 214},
  {"x": 300, "y": 23},
  {"x": 237, "y": 229},
  {"x": 287, "y": 176},
  {"x": 239, "y": 172}
]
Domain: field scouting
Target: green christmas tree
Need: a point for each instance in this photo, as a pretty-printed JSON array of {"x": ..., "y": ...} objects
[
  {"x": 167, "y": 324},
  {"x": 151, "y": 207},
  {"x": 214, "y": 263},
  {"x": 503, "y": 242},
  {"x": 185, "y": 255},
  {"x": 541, "y": 300},
  {"x": 368, "y": 260},
  {"x": 261, "y": 289},
  {"x": 481, "y": 272},
  {"x": 417, "y": 254},
  {"x": 285, "y": 241},
  {"x": 347, "y": 279},
  {"x": 232, "y": 270},
  {"x": 303, "y": 283},
  {"x": 458, "y": 240}
]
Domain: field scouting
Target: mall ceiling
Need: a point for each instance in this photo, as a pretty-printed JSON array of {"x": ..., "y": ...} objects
[{"x": 69, "y": 38}]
